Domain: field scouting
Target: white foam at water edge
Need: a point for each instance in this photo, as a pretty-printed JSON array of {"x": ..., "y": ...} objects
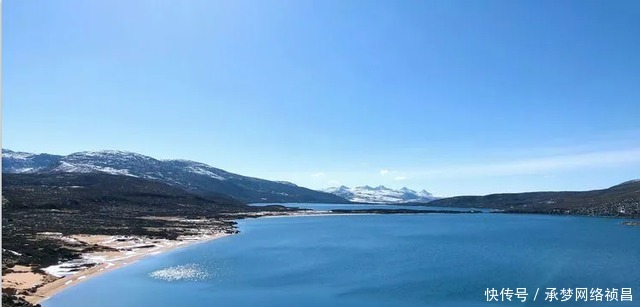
[{"x": 181, "y": 272}]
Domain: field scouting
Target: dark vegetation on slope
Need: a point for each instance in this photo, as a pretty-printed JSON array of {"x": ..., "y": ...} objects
[
  {"x": 72, "y": 203},
  {"x": 622, "y": 200}
]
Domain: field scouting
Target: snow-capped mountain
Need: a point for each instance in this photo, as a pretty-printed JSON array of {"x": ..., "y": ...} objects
[
  {"x": 381, "y": 195},
  {"x": 25, "y": 162},
  {"x": 190, "y": 175}
]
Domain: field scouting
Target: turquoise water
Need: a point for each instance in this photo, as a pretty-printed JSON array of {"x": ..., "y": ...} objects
[{"x": 380, "y": 260}]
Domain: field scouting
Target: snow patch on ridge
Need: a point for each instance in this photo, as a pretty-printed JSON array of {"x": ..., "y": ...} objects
[
  {"x": 202, "y": 171},
  {"x": 111, "y": 153},
  {"x": 18, "y": 155},
  {"x": 90, "y": 168}
]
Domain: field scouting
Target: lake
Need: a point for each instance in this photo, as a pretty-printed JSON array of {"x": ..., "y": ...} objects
[{"x": 379, "y": 260}]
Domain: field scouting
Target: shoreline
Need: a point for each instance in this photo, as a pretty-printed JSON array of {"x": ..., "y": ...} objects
[
  {"x": 50, "y": 289},
  {"x": 121, "y": 259},
  {"x": 131, "y": 254},
  {"x": 112, "y": 262}
]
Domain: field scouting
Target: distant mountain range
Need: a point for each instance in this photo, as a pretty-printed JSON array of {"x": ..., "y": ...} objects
[
  {"x": 620, "y": 200},
  {"x": 201, "y": 179},
  {"x": 194, "y": 177},
  {"x": 381, "y": 195}
]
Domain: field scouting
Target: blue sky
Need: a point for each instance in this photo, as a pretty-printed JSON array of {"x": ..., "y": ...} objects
[{"x": 456, "y": 97}]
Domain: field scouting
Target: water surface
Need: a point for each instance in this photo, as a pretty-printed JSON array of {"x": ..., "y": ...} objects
[{"x": 379, "y": 260}]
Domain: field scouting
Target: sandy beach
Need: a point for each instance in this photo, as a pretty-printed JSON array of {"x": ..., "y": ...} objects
[
  {"x": 124, "y": 250},
  {"x": 118, "y": 251}
]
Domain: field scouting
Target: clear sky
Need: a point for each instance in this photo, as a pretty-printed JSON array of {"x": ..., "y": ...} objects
[{"x": 456, "y": 97}]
